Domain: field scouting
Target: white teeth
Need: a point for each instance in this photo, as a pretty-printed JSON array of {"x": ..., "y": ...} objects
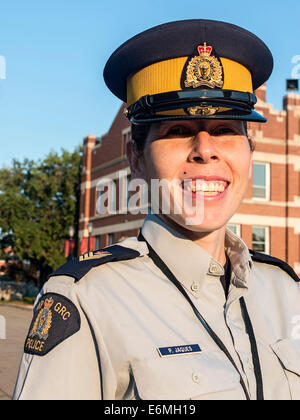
[
  {"x": 202, "y": 186},
  {"x": 212, "y": 187}
]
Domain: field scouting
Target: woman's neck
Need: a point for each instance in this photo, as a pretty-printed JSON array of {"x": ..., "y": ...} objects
[{"x": 212, "y": 242}]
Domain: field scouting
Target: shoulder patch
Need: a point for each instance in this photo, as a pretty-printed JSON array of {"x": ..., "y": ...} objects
[
  {"x": 55, "y": 319},
  {"x": 78, "y": 267},
  {"x": 267, "y": 259}
]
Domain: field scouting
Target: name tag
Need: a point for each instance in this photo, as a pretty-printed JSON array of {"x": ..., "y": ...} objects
[{"x": 178, "y": 350}]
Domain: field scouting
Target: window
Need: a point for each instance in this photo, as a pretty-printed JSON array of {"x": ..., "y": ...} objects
[
  {"x": 98, "y": 242},
  {"x": 110, "y": 239},
  {"x": 236, "y": 229},
  {"x": 261, "y": 181},
  {"x": 98, "y": 201},
  {"x": 261, "y": 239}
]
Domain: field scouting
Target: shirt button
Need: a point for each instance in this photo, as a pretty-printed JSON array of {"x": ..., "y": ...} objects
[
  {"x": 195, "y": 287},
  {"x": 216, "y": 270},
  {"x": 196, "y": 378}
]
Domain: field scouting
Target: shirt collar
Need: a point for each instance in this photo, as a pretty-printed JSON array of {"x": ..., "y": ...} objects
[
  {"x": 190, "y": 263},
  {"x": 240, "y": 258}
]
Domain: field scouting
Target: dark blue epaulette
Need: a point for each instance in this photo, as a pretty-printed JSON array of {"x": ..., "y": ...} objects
[
  {"x": 267, "y": 259},
  {"x": 78, "y": 267}
]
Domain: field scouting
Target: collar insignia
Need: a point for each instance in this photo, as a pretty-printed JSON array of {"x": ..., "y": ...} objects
[
  {"x": 94, "y": 255},
  {"x": 204, "y": 70}
]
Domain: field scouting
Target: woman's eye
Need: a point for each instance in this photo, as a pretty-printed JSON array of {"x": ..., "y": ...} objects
[{"x": 179, "y": 131}]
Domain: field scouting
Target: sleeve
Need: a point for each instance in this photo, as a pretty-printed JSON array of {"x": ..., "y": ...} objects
[{"x": 60, "y": 360}]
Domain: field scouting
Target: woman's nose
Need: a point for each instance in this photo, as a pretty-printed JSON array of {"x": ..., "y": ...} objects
[{"x": 203, "y": 148}]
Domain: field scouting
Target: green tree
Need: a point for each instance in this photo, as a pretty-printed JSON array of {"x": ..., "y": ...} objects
[{"x": 38, "y": 202}]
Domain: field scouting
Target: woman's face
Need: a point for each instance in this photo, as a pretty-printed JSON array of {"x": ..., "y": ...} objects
[{"x": 208, "y": 163}]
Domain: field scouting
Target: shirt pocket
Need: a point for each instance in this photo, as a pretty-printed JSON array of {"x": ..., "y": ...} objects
[
  {"x": 201, "y": 376},
  {"x": 288, "y": 352}
]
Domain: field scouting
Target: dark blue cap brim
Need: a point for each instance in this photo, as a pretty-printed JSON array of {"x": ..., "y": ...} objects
[{"x": 251, "y": 116}]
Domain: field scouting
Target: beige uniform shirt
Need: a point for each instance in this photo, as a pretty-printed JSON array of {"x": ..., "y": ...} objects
[{"x": 130, "y": 309}]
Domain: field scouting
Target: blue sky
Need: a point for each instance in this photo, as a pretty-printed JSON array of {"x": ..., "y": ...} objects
[{"x": 55, "y": 51}]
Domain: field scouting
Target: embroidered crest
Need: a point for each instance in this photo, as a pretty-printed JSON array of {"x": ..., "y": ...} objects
[
  {"x": 43, "y": 321},
  {"x": 204, "y": 70},
  {"x": 55, "y": 319}
]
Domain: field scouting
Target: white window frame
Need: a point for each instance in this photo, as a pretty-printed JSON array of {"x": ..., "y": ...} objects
[
  {"x": 267, "y": 238},
  {"x": 238, "y": 228},
  {"x": 268, "y": 181}
]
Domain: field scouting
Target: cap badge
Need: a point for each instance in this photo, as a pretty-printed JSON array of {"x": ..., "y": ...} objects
[
  {"x": 204, "y": 70},
  {"x": 203, "y": 110}
]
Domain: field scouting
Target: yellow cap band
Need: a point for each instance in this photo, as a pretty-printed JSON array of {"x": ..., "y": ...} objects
[{"x": 165, "y": 76}]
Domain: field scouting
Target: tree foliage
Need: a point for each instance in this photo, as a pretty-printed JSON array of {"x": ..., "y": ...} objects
[{"x": 38, "y": 202}]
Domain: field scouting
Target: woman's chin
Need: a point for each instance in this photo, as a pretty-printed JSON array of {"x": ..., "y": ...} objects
[{"x": 198, "y": 223}]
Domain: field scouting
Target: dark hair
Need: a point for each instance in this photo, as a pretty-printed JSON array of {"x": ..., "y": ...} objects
[{"x": 140, "y": 132}]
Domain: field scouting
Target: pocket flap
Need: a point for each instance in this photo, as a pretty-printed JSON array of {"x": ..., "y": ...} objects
[
  {"x": 288, "y": 352},
  {"x": 184, "y": 377}
]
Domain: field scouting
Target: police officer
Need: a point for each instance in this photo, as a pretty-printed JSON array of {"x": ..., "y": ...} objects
[{"x": 186, "y": 310}]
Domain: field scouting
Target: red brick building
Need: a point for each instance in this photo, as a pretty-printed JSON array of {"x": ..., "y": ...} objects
[{"x": 269, "y": 218}]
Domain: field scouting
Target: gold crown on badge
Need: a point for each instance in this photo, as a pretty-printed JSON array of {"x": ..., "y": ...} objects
[
  {"x": 204, "y": 70},
  {"x": 48, "y": 303}
]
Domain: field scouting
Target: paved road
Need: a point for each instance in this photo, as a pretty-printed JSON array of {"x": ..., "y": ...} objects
[{"x": 11, "y": 349}]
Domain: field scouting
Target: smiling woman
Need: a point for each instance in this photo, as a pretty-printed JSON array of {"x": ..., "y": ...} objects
[
  {"x": 212, "y": 161},
  {"x": 186, "y": 310}
]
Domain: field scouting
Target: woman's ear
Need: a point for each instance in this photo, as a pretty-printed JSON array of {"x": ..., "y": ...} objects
[
  {"x": 251, "y": 144},
  {"x": 136, "y": 161}
]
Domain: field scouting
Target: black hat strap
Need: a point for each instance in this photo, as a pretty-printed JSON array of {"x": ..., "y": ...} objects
[{"x": 149, "y": 105}]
